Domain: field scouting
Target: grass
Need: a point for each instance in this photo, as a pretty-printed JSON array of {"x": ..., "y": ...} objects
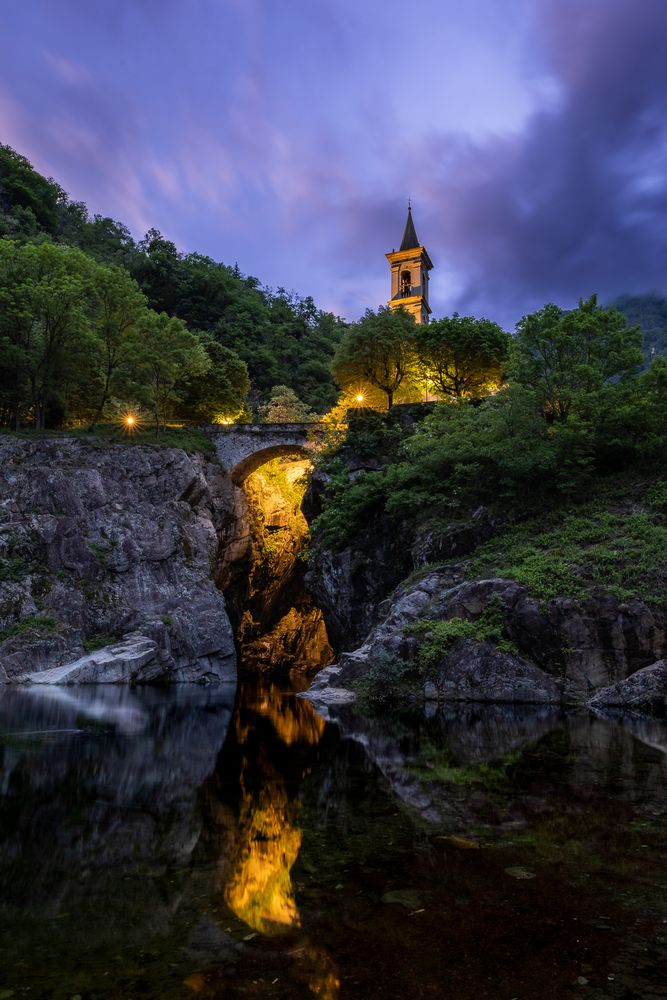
[
  {"x": 37, "y": 625},
  {"x": 599, "y": 546},
  {"x": 189, "y": 439},
  {"x": 439, "y": 636},
  {"x": 98, "y": 642}
]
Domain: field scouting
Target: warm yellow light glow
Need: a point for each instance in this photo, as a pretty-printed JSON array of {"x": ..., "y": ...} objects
[
  {"x": 259, "y": 890},
  {"x": 258, "y": 882},
  {"x": 130, "y": 421},
  {"x": 359, "y": 397}
]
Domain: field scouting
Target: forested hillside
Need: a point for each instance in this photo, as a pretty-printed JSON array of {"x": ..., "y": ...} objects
[
  {"x": 649, "y": 312},
  {"x": 125, "y": 320}
]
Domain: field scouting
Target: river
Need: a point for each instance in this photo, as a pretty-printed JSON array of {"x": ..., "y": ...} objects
[{"x": 215, "y": 843}]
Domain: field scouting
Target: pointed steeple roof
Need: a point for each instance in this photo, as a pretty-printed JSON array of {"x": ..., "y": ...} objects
[{"x": 410, "y": 241}]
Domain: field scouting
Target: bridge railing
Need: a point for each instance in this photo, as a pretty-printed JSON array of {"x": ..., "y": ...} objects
[{"x": 291, "y": 428}]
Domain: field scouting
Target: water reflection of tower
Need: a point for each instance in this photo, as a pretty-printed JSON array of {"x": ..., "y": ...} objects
[{"x": 272, "y": 745}]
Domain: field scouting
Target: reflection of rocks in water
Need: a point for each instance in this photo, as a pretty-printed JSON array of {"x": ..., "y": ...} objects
[
  {"x": 292, "y": 719},
  {"x": 258, "y": 882},
  {"x": 484, "y": 767},
  {"x": 113, "y": 708},
  {"x": 254, "y": 828},
  {"x": 123, "y": 794},
  {"x": 477, "y": 733},
  {"x": 653, "y": 732},
  {"x": 421, "y": 760}
]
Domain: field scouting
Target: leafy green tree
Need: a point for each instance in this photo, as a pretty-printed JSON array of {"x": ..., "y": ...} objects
[
  {"x": 379, "y": 350},
  {"x": 284, "y": 407},
  {"x": 462, "y": 357},
  {"x": 117, "y": 307},
  {"x": 158, "y": 270},
  {"x": 567, "y": 356},
  {"x": 220, "y": 394},
  {"x": 166, "y": 356},
  {"x": 23, "y": 190},
  {"x": 107, "y": 241},
  {"x": 44, "y": 321}
]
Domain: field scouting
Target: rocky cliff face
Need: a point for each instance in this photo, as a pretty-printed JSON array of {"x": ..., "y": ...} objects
[
  {"x": 99, "y": 542},
  {"x": 562, "y": 650},
  {"x": 351, "y": 586}
]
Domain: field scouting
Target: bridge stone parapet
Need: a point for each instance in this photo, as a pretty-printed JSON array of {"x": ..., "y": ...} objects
[{"x": 242, "y": 448}]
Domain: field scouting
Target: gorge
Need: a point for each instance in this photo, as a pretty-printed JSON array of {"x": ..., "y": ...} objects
[{"x": 223, "y": 837}]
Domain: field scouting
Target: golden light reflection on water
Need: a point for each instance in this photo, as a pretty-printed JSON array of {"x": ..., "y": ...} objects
[
  {"x": 259, "y": 887},
  {"x": 293, "y": 722},
  {"x": 259, "y": 890}
]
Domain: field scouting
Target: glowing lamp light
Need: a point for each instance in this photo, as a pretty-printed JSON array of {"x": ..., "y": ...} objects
[
  {"x": 130, "y": 422},
  {"x": 359, "y": 397}
]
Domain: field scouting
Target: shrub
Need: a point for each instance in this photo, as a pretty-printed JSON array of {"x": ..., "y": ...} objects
[{"x": 389, "y": 684}]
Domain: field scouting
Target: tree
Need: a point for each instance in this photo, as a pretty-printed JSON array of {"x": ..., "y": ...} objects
[
  {"x": 284, "y": 407},
  {"x": 567, "y": 356},
  {"x": 218, "y": 395},
  {"x": 22, "y": 188},
  {"x": 380, "y": 350},
  {"x": 118, "y": 305},
  {"x": 158, "y": 267},
  {"x": 462, "y": 357},
  {"x": 44, "y": 321},
  {"x": 165, "y": 357}
]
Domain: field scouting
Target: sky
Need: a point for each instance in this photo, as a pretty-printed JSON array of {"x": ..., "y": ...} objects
[{"x": 287, "y": 136}]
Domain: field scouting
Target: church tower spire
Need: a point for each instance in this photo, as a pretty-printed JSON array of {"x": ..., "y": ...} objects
[{"x": 409, "y": 266}]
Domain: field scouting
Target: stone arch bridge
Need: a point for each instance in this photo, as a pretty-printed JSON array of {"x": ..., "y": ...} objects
[{"x": 242, "y": 448}]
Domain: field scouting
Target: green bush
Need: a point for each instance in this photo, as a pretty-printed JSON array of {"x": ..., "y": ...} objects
[
  {"x": 439, "y": 636},
  {"x": 390, "y": 683},
  {"x": 98, "y": 642},
  {"x": 37, "y": 625}
]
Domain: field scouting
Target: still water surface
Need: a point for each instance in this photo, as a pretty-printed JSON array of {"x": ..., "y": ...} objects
[{"x": 204, "y": 843}]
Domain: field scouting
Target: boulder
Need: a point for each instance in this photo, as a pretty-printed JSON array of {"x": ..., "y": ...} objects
[
  {"x": 644, "y": 691},
  {"x": 132, "y": 660},
  {"x": 478, "y": 671}
]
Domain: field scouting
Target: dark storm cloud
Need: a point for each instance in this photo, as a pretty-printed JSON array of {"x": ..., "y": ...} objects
[
  {"x": 577, "y": 202},
  {"x": 531, "y": 135}
]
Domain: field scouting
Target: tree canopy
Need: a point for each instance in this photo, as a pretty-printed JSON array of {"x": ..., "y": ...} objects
[
  {"x": 568, "y": 355},
  {"x": 462, "y": 357},
  {"x": 378, "y": 350},
  {"x": 282, "y": 338}
]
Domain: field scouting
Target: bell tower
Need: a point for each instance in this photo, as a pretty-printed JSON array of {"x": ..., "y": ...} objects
[{"x": 410, "y": 265}]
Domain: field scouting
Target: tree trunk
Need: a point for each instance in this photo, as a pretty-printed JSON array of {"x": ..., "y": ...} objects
[
  {"x": 390, "y": 398},
  {"x": 98, "y": 412}
]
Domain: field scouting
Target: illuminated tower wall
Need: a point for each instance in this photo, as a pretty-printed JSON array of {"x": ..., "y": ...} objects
[{"x": 409, "y": 266}]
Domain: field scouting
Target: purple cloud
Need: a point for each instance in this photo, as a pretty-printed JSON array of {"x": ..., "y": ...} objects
[{"x": 532, "y": 138}]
